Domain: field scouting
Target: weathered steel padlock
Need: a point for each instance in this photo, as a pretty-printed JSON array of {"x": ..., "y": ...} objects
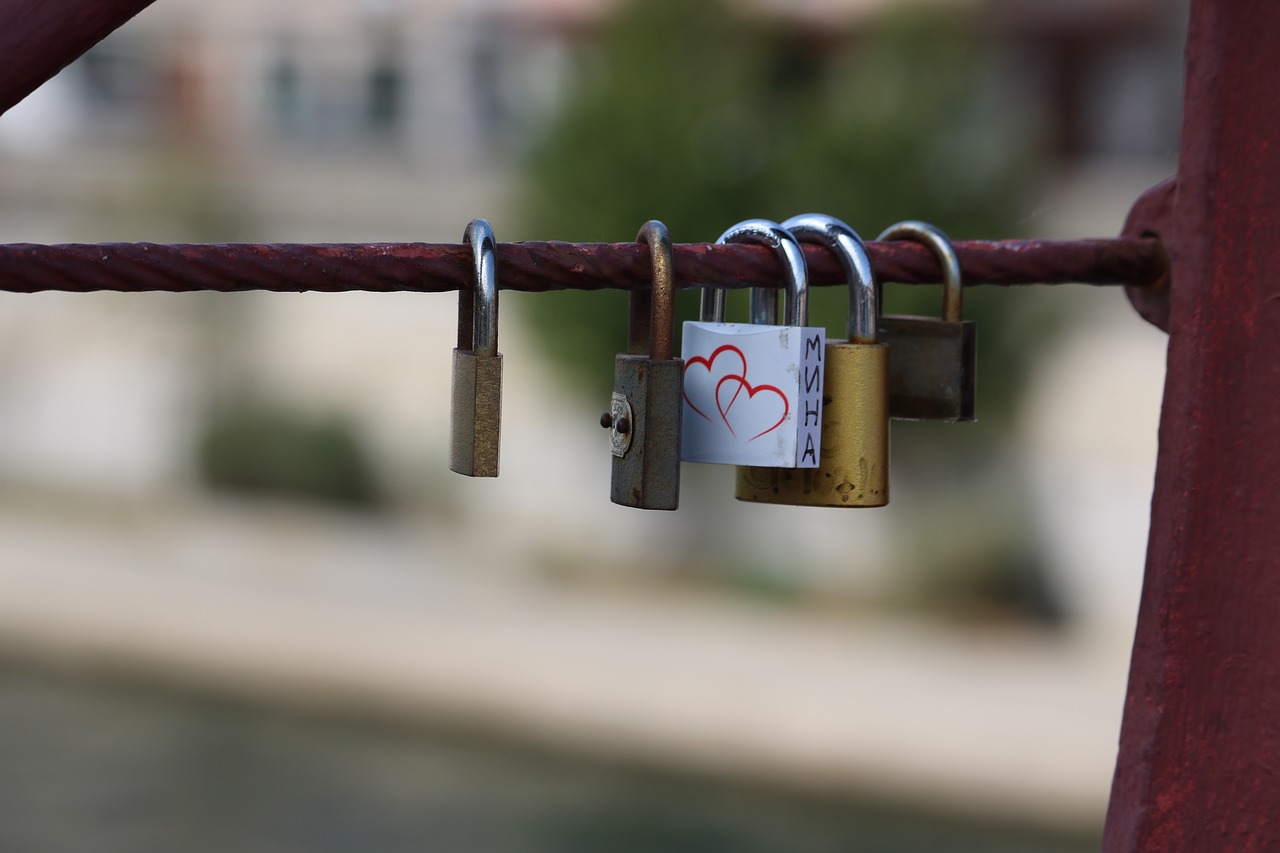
[
  {"x": 854, "y": 469},
  {"x": 648, "y": 391},
  {"x": 475, "y": 415},
  {"x": 753, "y": 391},
  {"x": 931, "y": 360}
]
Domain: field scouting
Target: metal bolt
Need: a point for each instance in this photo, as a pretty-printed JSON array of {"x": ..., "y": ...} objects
[
  {"x": 606, "y": 420},
  {"x": 623, "y": 426}
]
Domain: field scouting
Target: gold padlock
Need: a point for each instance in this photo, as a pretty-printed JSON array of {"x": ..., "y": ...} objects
[{"x": 854, "y": 467}]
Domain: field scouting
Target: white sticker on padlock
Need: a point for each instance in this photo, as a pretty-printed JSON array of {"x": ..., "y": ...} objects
[{"x": 752, "y": 394}]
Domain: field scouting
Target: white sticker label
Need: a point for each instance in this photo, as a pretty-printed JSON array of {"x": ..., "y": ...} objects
[{"x": 752, "y": 394}]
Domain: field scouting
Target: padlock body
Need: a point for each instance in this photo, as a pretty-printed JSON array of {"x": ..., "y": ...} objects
[
  {"x": 475, "y": 414},
  {"x": 646, "y": 469},
  {"x": 931, "y": 368},
  {"x": 854, "y": 467}
]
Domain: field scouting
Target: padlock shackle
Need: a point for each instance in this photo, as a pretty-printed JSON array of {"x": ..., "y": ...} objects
[
  {"x": 940, "y": 243},
  {"x": 711, "y": 305},
  {"x": 484, "y": 300},
  {"x": 762, "y": 310},
  {"x": 762, "y": 306},
  {"x": 652, "y": 326},
  {"x": 785, "y": 243},
  {"x": 845, "y": 242}
]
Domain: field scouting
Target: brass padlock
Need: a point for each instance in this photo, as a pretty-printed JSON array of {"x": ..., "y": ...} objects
[
  {"x": 648, "y": 391},
  {"x": 854, "y": 468},
  {"x": 932, "y": 367},
  {"x": 475, "y": 415}
]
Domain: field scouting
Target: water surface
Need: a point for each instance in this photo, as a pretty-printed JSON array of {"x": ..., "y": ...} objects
[{"x": 109, "y": 767}]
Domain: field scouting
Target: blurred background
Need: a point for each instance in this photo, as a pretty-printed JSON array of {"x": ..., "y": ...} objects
[{"x": 245, "y": 605}]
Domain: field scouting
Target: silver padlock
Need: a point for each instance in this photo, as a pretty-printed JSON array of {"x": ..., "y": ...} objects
[
  {"x": 648, "y": 391},
  {"x": 475, "y": 416},
  {"x": 753, "y": 391}
]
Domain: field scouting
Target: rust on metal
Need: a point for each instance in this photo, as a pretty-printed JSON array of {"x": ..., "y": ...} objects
[{"x": 540, "y": 267}]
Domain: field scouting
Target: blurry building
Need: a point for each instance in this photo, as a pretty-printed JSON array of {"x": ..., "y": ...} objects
[{"x": 449, "y": 85}]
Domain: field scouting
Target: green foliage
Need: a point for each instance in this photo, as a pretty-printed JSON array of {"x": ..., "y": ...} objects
[
  {"x": 694, "y": 115},
  {"x": 264, "y": 450}
]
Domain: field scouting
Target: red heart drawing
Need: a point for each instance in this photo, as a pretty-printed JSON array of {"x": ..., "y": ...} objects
[
  {"x": 701, "y": 388},
  {"x": 756, "y": 412}
]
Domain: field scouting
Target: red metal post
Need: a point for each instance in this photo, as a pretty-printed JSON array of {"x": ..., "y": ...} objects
[
  {"x": 1199, "y": 762},
  {"x": 38, "y": 39}
]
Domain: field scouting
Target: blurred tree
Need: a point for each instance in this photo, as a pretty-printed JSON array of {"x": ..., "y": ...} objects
[
  {"x": 269, "y": 449},
  {"x": 693, "y": 114}
]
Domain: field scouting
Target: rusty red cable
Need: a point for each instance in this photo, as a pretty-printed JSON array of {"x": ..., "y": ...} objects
[{"x": 540, "y": 267}]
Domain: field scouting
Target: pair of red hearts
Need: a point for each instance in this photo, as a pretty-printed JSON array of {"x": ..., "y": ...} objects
[{"x": 737, "y": 383}]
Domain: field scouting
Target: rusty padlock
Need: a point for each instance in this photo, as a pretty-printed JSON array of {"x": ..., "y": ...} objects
[
  {"x": 648, "y": 391},
  {"x": 932, "y": 369},
  {"x": 475, "y": 414},
  {"x": 854, "y": 468}
]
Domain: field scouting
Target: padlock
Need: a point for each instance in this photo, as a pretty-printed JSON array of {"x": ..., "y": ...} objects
[
  {"x": 931, "y": 360},
  {"x": 475, "y": 414},
  {"x": 854, "y": 471},
  {"x": 753, "y": 391},
  {"x": 648, "y": 391}
]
